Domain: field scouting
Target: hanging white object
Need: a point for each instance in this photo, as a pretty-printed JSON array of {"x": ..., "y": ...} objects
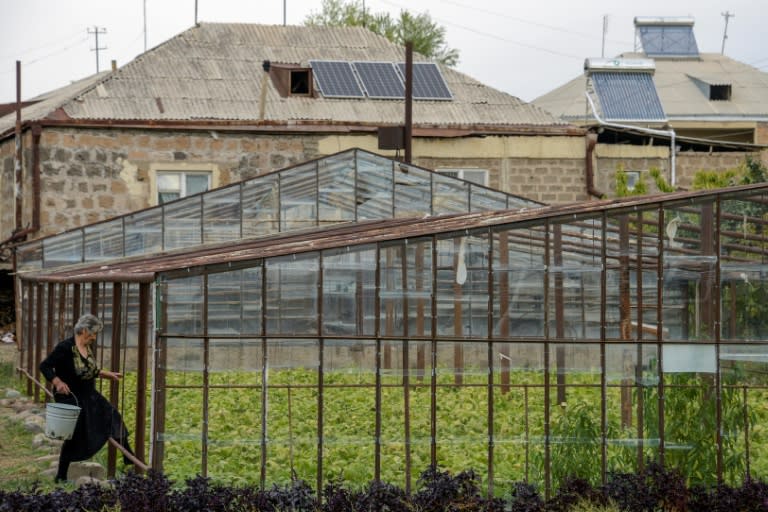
[{"x": 461, "y": 266}]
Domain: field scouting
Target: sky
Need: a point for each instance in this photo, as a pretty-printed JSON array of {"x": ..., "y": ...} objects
[{"x": 524, "y": 48}]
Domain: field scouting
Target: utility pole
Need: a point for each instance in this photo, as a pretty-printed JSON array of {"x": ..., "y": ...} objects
[
  {"x": 96, "y": 31},
  {"x": 726, "y": 15}
]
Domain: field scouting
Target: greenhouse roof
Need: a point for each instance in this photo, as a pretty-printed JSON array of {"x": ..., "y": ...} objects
[{"x": 145, "y": 269}]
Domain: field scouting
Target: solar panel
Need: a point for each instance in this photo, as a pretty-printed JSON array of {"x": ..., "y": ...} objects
[
  {"x": 336, "y": 79},
  {"x": 428, "y": 82},
  {"x": 380, "y": 79},
  {"x": 628, "y": 96},
  {"x": 668, "y": 40}
]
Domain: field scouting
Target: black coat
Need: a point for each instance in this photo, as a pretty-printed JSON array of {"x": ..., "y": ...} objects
[{"x": 98, "y": 420}]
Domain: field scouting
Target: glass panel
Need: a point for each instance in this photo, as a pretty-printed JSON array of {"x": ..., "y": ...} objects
[
  {"x": 518, "y": 286},
  {"x": 234, "y": 447},
  {"x": 419, "y": 285},
  {"x": 292, "y": 410},
  {"x": 575, "y": 272},
  {"x": 462, "y": 427},
  {"x": 349, "y": 411},
  {"x": 182, "y": 224},
  {"x": 374, "y": 187},
  {"x": 143, "y": 232},
  {"x": 576, "y": 432},
  {"x": 349, "y": 291},
  {"x": 292, "y": 298},
  {"x": 104, "y": 241},
  {"x": 169, "y": 181},
  {"x": 462, "y": 286},
  {"x": 518, "y": 413},
  {"x": 743, "y": 371},
  {"x": 234, "y": 302},
  {"x": 391, "y": 290},
  {"x": 484, "y": 199},
  {"x": 29, "y": 256},
  {"x": 64, "y": 249},
  {"x": 449, "y": 195},
  {"x": 405, "y": 446},
  {"x": 690, "y": 412},
  {"x": 183, "y": 300},
  {"x": 413, "y": 192},
  {"x": 260, "y": 206},
  {"x": 689, "y": 273},
  {"x": 197, "y": 182},
  {"x": 336, "y": 193},
  {"x": 298, "y": 198},
  {"x": 221, "y": 215},
  {"x": 630, "y": 369},
  {"x": 182, "y": 440}
]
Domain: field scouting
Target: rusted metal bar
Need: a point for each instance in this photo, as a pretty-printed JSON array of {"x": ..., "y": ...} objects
[
  {"x": 459, "y": 246},
  {"x": 557, "y": 232},
  {"x": 406, "y": 364},
  {"x": 504, "y": 307},
  {"x": 160, "y": 396},
  {"x": 38, "y": 335},
  {"x": 114, "y": 362},
  {"x": 547, "y": 405},
  {"x": 660, "y": 324},
  {"x": 433, "y": 364},
  {"x": 264, "y": 379},
  {"x": 489, "y": 328},
  {"x": 18, "y": 155},
  {"x": 142, "y": 373},
  {"x": 320, "y": 379},
  {"x": 408, "y": 101},
  {"x": 206, "y": 381},
  {"x": 377, "y": 330},
  {"x": 603, "y": 369},
  {"x": 715, "y": 219}
]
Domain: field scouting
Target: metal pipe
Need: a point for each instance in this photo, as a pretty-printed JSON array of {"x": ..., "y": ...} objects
[{"x": 651, "y": 131}]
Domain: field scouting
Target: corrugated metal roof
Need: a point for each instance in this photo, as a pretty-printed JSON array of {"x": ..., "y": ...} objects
[
  {"x": 627, "y": 96},
  {"x": 679, "y": 94},
  {"x": 214, "y": 72}
]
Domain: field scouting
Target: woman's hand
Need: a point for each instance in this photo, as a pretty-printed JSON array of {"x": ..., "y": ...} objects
[
  {"x": 60, "y": 385},
  {"x": 106, "y": 374}
]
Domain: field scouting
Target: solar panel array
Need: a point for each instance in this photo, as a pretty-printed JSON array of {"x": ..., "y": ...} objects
[
  {"x": 380, "y": 80},
  {"x": 428, "y": 82},
  {"x": 628, "y": 96},
  {"x": 335, "y": 79},
  {"x": 668, "y": 41}
]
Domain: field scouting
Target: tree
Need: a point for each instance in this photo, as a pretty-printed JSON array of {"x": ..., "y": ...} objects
[{"x": 427, "y": 36}]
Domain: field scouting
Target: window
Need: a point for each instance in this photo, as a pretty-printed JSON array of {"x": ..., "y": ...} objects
[
  {"x": 300, "y": 81},
  {"x": 632, "y": 178},
  {"x": 720, "y": 92},
  {"x": 478, "y": 176},
  {"x": 172, "y": 185}
]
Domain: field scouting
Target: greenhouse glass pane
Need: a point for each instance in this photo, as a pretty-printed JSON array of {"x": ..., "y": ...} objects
[
  {"x": 419, "y": 285},
  {"x": 462, "y": 286},
  {"x": 413, "y": 192},
  {"x": 222, "y": 215},
  {"x": 298, "y": 198},
  {"x": 374, "y": 187},
  {"x": 29, "y": 256},
  {"x": 449, "y": 195},
  {"x": 518, "y": 287},
  {"x": 292, "y": 294},
  {"x": 336, "y": 189},
  {"x": 63, "y": 249},
  {"x": 143, "y": 232},
  {"x": 183, "y": 303},
  {"x": 391, "y": 290},
  {"x": 349, "y": 291},
  {"x": 182, "y": 224},
  {"x": 104, "y": 241},
  {"x": 260, "y": 206},
  {"x": 484, "y": 199}
]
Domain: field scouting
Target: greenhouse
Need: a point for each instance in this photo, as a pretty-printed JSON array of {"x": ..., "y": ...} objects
[{"x": 357, "y": 318}]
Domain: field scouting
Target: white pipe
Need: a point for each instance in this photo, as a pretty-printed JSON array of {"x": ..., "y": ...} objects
[{"x": 651, "y": 131}]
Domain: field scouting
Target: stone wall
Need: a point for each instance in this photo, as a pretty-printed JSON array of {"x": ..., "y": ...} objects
[{"x": 550, "y": 180}]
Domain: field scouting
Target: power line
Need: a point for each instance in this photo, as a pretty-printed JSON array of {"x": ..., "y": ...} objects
[
  {"x": 56, "y": 42},
  {"x": 96, "y": 31}
]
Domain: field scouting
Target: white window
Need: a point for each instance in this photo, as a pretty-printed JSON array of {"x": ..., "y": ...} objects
[
  {"x": 479, "y": 176},
  {"x": 172, "y": 185},
  {"x": 632, "y": 178}
]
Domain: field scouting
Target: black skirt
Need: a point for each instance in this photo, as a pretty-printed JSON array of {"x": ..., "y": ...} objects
[{"x": 97, "y": 422}]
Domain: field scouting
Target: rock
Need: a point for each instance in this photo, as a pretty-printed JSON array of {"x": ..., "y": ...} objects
[
  {"x": 52, "y": 457},
  {"x": 50, "y": 472},
  {"x": 12, "y": 393},
  {"x": 34, "y": 424},
  {"x": 90, "y": 469},
  {"x": 88, "y": 480},
  {"x": 40, "y": 440}
]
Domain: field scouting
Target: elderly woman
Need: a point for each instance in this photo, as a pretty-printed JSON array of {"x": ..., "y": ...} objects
[{"x": 72, "y": 370}]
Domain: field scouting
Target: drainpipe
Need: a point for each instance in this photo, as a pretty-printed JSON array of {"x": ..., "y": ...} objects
[
  {"x": 589, "y": 167},
  {"x": 665, "y": 133},
  {"x": 17, "y": 155}
]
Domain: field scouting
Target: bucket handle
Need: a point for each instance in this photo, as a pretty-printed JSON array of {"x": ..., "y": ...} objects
[{"x": 77, "y": 402}]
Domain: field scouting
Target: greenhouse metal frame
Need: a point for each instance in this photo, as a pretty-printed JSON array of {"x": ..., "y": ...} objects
[{"x": 528, "y": 345}]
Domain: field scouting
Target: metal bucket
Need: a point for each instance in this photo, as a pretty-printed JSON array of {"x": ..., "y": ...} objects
[{"x": 60, "y": 420}]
